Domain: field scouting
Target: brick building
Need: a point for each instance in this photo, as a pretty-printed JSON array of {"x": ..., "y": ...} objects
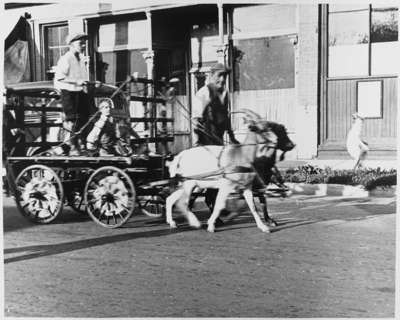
[{"x": 308, "y": 66}]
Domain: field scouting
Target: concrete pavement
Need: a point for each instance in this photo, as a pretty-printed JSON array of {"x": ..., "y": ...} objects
[{"x": 329, "y": 257}]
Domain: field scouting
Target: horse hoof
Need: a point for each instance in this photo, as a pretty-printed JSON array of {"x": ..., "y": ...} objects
[
  {"x": 172, "y": 225},
  {"x": 211, "y": 229},
  {"x": 271, "y": 223},
  {"x": 265, "y": 229},
  {"x": 196, "y": 225}
]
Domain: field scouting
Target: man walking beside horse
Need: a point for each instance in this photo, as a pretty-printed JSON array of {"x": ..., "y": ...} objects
[
  {"x": 211, "y": 121},
  {"x": 210, "y": 110},
  {"x": 211, "y": 116}
]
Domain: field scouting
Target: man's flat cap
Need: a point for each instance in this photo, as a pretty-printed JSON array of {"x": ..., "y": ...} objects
[
  {"x": 76, "y": 36},
  {"x": 220, "y": 68}
]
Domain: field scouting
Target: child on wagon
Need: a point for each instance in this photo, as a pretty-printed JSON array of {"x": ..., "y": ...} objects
[{"x": 109, "y": 137}]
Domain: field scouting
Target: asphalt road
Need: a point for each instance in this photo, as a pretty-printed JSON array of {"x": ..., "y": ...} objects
[{"x": 329, "y": 257}]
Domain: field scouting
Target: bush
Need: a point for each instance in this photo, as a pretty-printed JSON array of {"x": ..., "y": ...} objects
[{"x": 369, "y": 178}]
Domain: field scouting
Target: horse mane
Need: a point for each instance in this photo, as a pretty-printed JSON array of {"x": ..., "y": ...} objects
[{"x": 276, "y": 127}]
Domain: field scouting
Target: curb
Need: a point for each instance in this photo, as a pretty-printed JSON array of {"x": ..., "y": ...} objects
[{"x": 324, "y": 189}]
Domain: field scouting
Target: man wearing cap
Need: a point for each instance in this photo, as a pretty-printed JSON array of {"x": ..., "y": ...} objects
[
  {"x": 70, "y": 76},
  {"x": 210, "y": 110},
  {"x": 211, "y": 118}
]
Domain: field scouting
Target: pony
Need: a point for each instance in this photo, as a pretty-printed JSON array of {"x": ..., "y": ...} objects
[{"x": 226, "y": 168}]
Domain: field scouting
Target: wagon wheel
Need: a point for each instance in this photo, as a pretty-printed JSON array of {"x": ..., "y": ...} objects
[
  {"x": 110, "y": 197},
  {"x": 39, "y": 193},
  {"x": 152, "y": 206}
]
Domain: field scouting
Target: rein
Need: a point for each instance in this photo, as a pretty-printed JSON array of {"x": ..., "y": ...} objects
[
  {"x": 222, "y": 171},
  {"x": 238, "y": 169}
]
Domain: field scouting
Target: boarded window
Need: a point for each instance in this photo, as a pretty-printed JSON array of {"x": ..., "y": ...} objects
[{"x": 264, "y": 63}]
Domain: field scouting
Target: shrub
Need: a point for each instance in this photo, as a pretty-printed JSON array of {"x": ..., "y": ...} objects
[{"x": 369, "y": 178}]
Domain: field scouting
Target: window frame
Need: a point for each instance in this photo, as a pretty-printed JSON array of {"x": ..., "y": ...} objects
[
  {"x": 121, "y": 47},
  {"x": 369, "y": 71},
  {"x": 45, "y": 47}
]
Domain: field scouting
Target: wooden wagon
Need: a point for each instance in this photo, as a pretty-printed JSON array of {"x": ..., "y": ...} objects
[{"x": 108, "y": 188}]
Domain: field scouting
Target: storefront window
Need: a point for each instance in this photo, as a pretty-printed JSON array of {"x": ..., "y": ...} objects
[{"x": 362, "y": 40}]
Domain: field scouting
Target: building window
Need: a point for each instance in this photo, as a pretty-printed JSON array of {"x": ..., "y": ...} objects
[
  {"x": 384, "y": 40},
  {"x": 55, "y": 46},
  {"x": 123, "y": 34},
  {"x": 121, "y": 46},
  {"x": 362, "y": 40},
  {"x": 204, "y": 41}
]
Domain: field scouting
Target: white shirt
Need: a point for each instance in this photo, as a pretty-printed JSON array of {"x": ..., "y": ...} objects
[
  {"x": 202, "y": 99},
  {"x": 69, "y": 68}
]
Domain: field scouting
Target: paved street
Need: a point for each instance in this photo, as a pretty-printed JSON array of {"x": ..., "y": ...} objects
[{"x": 329, "y": 257}]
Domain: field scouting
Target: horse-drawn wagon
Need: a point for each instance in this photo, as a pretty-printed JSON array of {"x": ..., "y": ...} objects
[{"x": 107, "y": 188}]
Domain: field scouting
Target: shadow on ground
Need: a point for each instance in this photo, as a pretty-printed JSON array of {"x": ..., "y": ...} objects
[{"x": 298, "y": 215}]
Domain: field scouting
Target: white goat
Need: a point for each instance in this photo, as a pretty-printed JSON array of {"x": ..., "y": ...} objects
[
  {"x": 227, "y": 168},
  {"x": 356, "y": 147}
]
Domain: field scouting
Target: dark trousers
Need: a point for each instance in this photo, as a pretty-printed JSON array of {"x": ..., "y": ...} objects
[{"x": 77, "y": 107}]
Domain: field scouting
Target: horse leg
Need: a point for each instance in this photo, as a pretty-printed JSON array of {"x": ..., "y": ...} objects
[
  {"x": 248, "y": 195},
  {"x": 220, "y": 204},
  {"x": 183, "y": 203},
  {"x": 192, "y": 200},
  {"x": 170, "y": 201},
  {"x": 263, "y": 202},
  {"x": 210, "y": 197}
]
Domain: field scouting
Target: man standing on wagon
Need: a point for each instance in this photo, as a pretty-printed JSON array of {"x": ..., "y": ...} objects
[{"x": 70, "y": 76}]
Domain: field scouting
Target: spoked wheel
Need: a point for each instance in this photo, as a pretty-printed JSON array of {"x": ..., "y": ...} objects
[
  {"x": 39, "y": 193},
  {"x": 152, "y": 206},
  {"x": 110, "y": 197}
]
